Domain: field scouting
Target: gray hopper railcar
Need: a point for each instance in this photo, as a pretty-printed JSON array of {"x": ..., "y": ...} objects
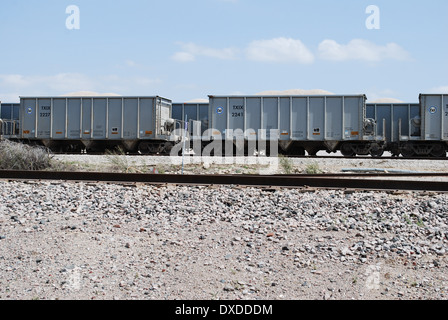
[
  {"x": 434, "y": 128},
  {"x": 9, "y": 119},
  {"x": 414, "y": 129},
  {"x": 192, "y": 111},
  {"x": 299, "y": 123},
  {"x": 96, "y": 123},
  {"x": 398, "y": 123}
]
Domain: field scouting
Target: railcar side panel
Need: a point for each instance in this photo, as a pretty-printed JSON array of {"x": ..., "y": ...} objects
[
  {"x": 434, "y": 110},
  {"x": 59, "y": 119},
  {"x": 333, "y": 119},
  {"x": 28, "y": 118},
  {"x": 99, "y": 118},
  {"x": 147, "y": 119},
  {"x": 252, "y": 113},
  {"x": 354, "y": 111},
  {"x": 43, "y": 118},
  {"x": 299, "y": 119},
  {"x": 130, "y": 119},
  {"x": 115, "y": 115},
  {"x": 87, "y": 115},
  {"x": 73, "y": 120},
  {"x": 285, "y": 119},
  {"x": 270, "y": 118},
  {"x": 236, "y": 116},
  {"x": 316, "y": 112}
]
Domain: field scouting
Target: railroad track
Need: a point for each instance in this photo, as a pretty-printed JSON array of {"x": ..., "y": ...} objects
[
  {"x": 287, "y": 156},
  {"x": 373, "y": 181},
  {"x": 366, "y": 157}
]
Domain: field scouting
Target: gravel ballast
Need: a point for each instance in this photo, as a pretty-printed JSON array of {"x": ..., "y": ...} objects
[{"x": 61, "y": 240}]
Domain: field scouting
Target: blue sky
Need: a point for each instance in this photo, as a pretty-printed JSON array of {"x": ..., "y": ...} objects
[{"x": 186, "y": 50}]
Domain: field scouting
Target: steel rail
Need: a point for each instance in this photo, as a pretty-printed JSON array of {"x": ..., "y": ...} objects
[
  {"x": 369, "y": 174},
  {"x": 297, "y": 181},
  {"x": 286, "y": 156}
]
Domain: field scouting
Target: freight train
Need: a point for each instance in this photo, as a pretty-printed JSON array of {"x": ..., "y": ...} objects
[
  {"x": 296, "y": 125},
  {"x": 308, "y": 124}
]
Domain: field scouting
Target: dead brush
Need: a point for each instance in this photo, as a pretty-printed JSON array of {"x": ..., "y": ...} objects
[
  {"x": 18, "y": 156},
  {"x": 117, "y": 158}
]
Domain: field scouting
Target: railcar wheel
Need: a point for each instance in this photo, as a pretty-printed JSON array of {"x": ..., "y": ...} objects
[
  {"x": 438, "y": 151},
  {"x": 347, "y": 150},
  {"x": 408, "y": 154},
  {"x": 168, "y": 148},
  {"x": 144, "y": 148},
  {"x": 408, "y": 151},
  {"x": 376, "y": 151}
]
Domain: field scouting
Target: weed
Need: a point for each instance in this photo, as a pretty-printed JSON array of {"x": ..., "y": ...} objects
[
  {"x": 286, "y": 165},
  {"x": 313, "y": 168},
  {"x": 119, "y": 160},
  {"x": 18, "y": 156},
  {"x": 420, "y": 223},
  {"x": 57, "y": 165}
]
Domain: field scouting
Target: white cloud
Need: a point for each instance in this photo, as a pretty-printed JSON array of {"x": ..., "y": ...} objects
[
  {"x": 183, "y": 57},
  {"x": 274, "y": 50},
  {"x": 441, "y": 89},
  {"x": 9, "y": 97},
  {"x": 13, "y": 80},
  {"x": 29, "y": 85},
  {"x": 289, "y": 50},
  {"x": 190, "y": 51},
  {"x": 58, "y": 82},
  {"x": 131, "y": 63},
  {"x": 279, "y": 50},
  {"x": 359, "y": 49}
]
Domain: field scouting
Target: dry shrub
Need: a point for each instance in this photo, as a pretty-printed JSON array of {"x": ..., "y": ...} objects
[{"x": 18, "y": 156}]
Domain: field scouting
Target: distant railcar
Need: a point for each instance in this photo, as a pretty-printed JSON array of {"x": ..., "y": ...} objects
[
  {"x": 298, "y": 123},
  {"x": 9, "y": 119},
  {"x": 192, "y": 111},
  {"x": 396, "y": 122},
  {"x": 434, "y": 128},
  {"x": 96, "y": 123}
]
